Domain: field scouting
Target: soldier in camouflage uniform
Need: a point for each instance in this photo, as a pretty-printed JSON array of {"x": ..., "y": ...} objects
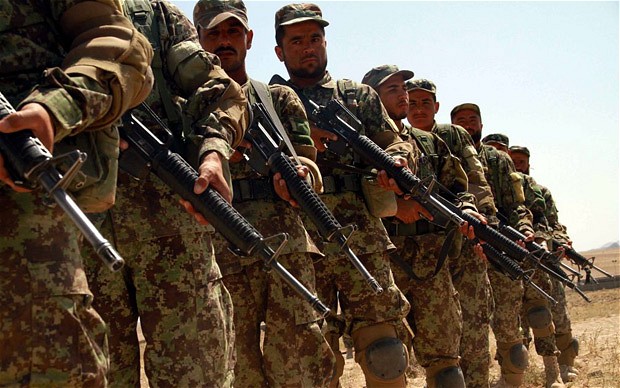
[
  {"x": 375, "y": 322},
  {"x": 469, "y": 273},
  {"x": 535, "y": 308},
  {"x": 418, "y": 265},
  {"x": 507, "y": 188},
  {"x": 565, "y": 342},
  {"x": 294, "y": 352},
  {"x": 171, "y": 281},
  {"x": 68, "y": 67}
]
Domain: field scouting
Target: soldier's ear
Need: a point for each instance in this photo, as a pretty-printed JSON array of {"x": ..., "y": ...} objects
[
  {"x": 436, "y": 107},
  {"x": 248, "y": 39},
  {"x": 279, "y": 53}
]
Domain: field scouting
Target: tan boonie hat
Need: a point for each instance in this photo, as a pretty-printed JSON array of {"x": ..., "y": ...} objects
[
  {"x": 421, "y": 84},
  {"x": 467, "y": 105},
  {"x": 210, "y": 13},
  {"x": 378, "y": 75},
  {"x": 297, "y": 13},
  {"x": 496, "y": 138},
  {"x": 520, "y": 149}
]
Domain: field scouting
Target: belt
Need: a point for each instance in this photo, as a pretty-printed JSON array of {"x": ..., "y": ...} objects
[
  {"x": 414, "y": 229},
  {"x": 252, "y": 189},
  {"x": 341, "y": 183}
]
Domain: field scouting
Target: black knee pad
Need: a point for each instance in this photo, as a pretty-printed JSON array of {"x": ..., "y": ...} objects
[
  {"x": 386, "y": 358},
  {"x": 450, "y": 377},
  {"x": 539, "y": 317}
]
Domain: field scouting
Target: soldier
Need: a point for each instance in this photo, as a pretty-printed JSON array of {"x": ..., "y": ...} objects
[
  {"x": 469, "y": 273},
  {"x": 71, "y": 69},
  {"x": 565, "y": 342},
  {"x": 375, "y": 322},
  {"x": 534, "y": 306},
  {"x": 507, "y": 187},
  {"x": 171, "y": 281},
  {"x": 294, "y": 351},
  {"x": 419, "y": 269}
]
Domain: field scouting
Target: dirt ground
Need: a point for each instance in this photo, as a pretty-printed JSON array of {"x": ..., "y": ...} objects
[{"x": 595, "y": 324}]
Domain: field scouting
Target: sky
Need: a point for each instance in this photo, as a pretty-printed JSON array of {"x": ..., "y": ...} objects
[{"x": 544, "y": 73}]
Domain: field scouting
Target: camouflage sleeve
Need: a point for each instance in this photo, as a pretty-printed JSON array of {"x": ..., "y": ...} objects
[
  {"x": 512, "y": 195},
  {"x": 372, "y": 113},
  {"x": 216, "y": 105},
  {"x": 558, "y": 230},
  {"x": 105, "y": 70},
  {"x": 452, "y": 175},
  {"x": 535, "y": 202},
  {"x": 291, "y": 111}
]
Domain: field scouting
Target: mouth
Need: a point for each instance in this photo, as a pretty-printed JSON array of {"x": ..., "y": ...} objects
[{"x": 225, "y": 52}]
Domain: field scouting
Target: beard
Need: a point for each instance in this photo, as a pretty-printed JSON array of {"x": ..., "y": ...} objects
[
  {"x": 317, "y": 72},
  {"x": 476, "y": 137}
]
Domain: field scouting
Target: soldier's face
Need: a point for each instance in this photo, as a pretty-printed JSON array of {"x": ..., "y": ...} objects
[
  {"x": 303, "y": 50},
  {"x": 422, "y": 109},
  {"x": 230, "y": 41},
  {"x": 521, "y": 161},
  {"x": 393, "y": 93},
  {"x": 469, "y": 120}
]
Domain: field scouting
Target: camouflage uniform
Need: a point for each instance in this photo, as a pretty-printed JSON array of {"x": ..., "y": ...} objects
[
  {"x": 294, "y": 351},
  {"x": 336, "y": 278},
  {"x": 50, "y": 334},
  {"x": 469, "y": 273},
  {"x": 171, "y": 281},
  {"x": 435, "y": 315},
  {"x": 507, "y": 294}
]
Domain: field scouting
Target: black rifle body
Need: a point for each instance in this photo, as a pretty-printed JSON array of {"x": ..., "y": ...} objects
[
  {"x": 261, "y": 134},
  {"x": 31, "y": 166},
  {"x": 177, "y": 174}
]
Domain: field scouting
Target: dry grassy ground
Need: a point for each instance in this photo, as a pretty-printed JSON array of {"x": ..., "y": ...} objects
[{"x": 596, "y": 324}]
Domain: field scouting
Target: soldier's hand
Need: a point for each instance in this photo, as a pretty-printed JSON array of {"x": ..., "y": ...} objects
[
  {"x": 35, "y": 118},
  {"x": 320, "y": 137},
  {"x": 279, "y": 185},
  {"x": 242, "y": 148},
  {"x": 409, "y": 211},
  {"x": 468, "y": 230},
  {"x": 389, "y": 183},
  {"x": 210, "y": 174}
]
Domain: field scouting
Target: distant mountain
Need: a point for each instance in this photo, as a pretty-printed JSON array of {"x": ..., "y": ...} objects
[{"x": 614, "y": 244}]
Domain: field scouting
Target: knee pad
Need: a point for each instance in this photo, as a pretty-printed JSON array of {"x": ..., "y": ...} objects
[
  {"x": 382, "y": 357},
  {"x": 451, "y": 377},
  {"x": 568, "y": 347},
  {"x": 513, "y": 360},
  {"x": 541, "y": 321}
]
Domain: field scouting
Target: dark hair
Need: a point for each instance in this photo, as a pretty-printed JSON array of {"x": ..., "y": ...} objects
[{"x": 280, "y": 34}]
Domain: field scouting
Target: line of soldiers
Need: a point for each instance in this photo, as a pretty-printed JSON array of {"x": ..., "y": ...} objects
[{"x": 200, "y": 304}]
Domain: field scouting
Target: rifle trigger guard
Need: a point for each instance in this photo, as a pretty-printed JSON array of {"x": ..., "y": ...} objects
[
  {"x": 76, "y": 158},
  {"x": 283, "y": 239}
]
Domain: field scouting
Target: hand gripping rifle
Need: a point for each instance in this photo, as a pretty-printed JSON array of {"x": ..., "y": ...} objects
[
  {"x": 331, "y": 117},
  {"x": 577, "y": 258},
  {"x": 177, "y": 174},
  {"x": 267, "y": 151},
  {"x": 31, "y": 166}
]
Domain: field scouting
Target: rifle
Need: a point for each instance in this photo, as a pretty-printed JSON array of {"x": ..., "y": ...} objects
[
  {"x": 180, "y": 177},
  {"x": 543, "y": 259},
  {"x": 511, "y": 268},
  {"x": 32, "y": 166},
  {"x": 331, "y": 117},
  {"x": 577, "y": 258},
  {"x": 267, "y": 151}
]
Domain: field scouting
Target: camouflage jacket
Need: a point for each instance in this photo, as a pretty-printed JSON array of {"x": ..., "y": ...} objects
[
  {"x": 272, "y": 216},
  {"x": 462, "y": 146},
  {"x": 507, "y": 187},
  {"x": 556, "y": 229},
  {"x": 349, "y": 207},
  {"x": 210, "y": 101},
  {"x": 437, "y": 161},
  {"x": 88, "y": 78},
  {"x": 536, "y": 204}
]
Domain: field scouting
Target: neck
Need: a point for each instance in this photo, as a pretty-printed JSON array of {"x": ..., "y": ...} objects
[
  {"x": 304, "y": 82},
  {"x": 240, "y": 76}
]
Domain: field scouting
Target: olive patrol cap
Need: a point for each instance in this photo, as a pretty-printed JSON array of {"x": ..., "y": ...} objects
[
  {"x": 467, "y": 105},
  {"x": 297, "y": 13},
  {"x": 378, "y": 75},
  {"x": 210, "y": 13}
]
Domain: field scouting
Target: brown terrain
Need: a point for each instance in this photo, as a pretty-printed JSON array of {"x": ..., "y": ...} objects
[{"x": 595, "y": 324}]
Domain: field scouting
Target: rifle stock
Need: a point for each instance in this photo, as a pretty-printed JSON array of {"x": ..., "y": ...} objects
[
  {"x": 32, "y": 166},
  {"x": 177, "y": 174}
]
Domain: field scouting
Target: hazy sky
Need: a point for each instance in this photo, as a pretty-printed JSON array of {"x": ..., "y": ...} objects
[{"x": 543, "y": 73}]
